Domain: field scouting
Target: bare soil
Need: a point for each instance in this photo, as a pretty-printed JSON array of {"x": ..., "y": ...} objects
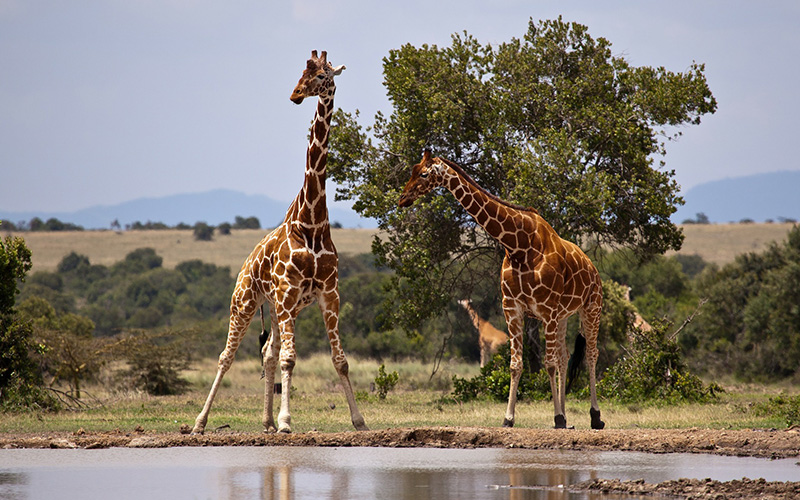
[{"x": 768, "y": 443}]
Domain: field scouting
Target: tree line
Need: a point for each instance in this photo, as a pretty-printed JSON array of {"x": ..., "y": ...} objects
[{"x": 203, "y": 231}]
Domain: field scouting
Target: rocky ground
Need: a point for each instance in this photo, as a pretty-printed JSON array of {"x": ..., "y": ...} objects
[{"x": 757, "y": 443}]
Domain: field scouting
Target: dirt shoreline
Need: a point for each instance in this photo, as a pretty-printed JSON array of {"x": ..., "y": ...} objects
[{"x": 767, "y": 443}]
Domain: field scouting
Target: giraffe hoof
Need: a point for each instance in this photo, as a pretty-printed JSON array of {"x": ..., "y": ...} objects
[
  {"x": 508, "y": 423},
  {"x": 285, "y": 430},
  {"x": 596, "y": 422},
  {"x": 561, "y": 422}
]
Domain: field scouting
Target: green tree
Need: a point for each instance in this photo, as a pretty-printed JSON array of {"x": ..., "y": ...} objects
[
  {"x": 20, "y": 377},
  {"x": 71, "y": 353},
  {"x": 750, "y": 326},
  {"x": 552, "y": 120},
  {"x": 203, "y": 232}
]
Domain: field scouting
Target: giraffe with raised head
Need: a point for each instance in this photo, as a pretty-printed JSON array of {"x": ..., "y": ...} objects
[
  {"x": 542, "y": 275},
  {"x": 489, "y": 338},
  {"x": 291, "y": 267}
]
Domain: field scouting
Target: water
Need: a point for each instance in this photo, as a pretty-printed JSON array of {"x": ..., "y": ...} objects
[{"x": 350, "y": 473}]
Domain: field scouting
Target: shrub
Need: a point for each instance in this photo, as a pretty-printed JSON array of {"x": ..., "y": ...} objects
[
  {"x": 203, "y": 232},
  {"x": 155, "y": 363},
  {"x": 653, "y": 369},
  {"x": 781, "y": 406},
  {"x": 385, "y": 382},
  {"x": 494, "y": 381}
]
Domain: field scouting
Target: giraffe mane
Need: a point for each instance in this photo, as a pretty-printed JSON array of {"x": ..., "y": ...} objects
[{"x": 469, "y": 179}]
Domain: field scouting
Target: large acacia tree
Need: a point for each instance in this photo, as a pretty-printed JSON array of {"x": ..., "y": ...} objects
[{"x": 554, "y": 121}]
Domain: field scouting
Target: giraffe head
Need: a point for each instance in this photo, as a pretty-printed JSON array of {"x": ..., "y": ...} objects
[
  {"x": 425, "y": 175},
  {"x": 317, "y": 79}
]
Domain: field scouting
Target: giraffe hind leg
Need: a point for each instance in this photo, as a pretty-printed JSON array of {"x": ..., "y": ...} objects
[
  {"x": 329, "y": 305},
  {"x": 269, "y": 354},
  {"x": 590, "y": 323},
  {"x": 241, "y": 315}
]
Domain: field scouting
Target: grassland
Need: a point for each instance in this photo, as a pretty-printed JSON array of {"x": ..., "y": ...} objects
[
  {"x": 173, "y": 245},
  {"x": 318, "y": 404},
  {"x": 717, "y": 243}
]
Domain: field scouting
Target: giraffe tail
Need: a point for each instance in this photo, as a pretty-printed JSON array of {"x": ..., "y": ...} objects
[
  {"x": 262, "y": 338},
  {"x": 576, "y": 360}
]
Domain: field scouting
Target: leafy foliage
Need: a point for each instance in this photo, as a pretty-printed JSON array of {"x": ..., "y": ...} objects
[
  {"x": 787, "y": 407},
  {"x": 653, "y": 369},
  {"x": 69, "y": 352},
  {"x": 21, "y": 385},
  {"x": 751, "y": 324},
  {"x": 385, "y": 382},
  {"x": 203, "y": 232},
  {"x": 136, "y": 292},
  {"x": 552, "y": 120},
  {"x": 155, "y": 363},
  {"x": 494, "y": 381}
]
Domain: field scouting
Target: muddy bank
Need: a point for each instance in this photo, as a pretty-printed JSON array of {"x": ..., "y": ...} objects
[
  {"x": 699, "y": 489},
  {"x": 755, "y": 443}
]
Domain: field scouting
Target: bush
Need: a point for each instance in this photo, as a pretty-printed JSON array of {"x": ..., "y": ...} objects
[
  {"x": 203, "y": 232},
  {"x": 781, "y": 406},
  {"x": 653, "y": 369},
  {"x": 155, "y": 363},
  {"x": 385, "y": 382},
  {"x": 494, "y": 381}
]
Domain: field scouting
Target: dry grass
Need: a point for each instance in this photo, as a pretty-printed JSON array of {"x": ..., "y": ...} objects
[
  {"x": 717, "y": 243},
  {"x": 173, "y": 245},
  {"x": 721, "y": 243},
  {"x": 318, "y": 403}
]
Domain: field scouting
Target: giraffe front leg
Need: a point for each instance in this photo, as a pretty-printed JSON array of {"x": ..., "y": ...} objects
[
  {"x": 591, "y": 360},
  {"x": 514, "y": 317},
  {"x": 329, "y": 305},
  {"x": 563, "y": 362},
  {"x": 241, "y": 315},
  {"x": 269, "y": 354},
  {"x": 288, "y": 358},
  {"x": 555, "y": 362}
]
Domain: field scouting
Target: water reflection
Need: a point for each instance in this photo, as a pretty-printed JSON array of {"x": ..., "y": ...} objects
[{"x": 349, "y": 473}]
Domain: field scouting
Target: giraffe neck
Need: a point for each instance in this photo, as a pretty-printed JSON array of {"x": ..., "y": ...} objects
[
  {"x": 498, "y": 218},
  {"x": 476, "y": 320},
  {"x": 311, "y": 203}
]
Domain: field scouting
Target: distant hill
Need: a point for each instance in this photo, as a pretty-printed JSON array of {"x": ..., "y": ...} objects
[
  {"x": 212, "y": 207},
  {"x": 761, "y": 197}
]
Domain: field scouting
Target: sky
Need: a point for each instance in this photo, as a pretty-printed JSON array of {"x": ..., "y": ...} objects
[{"x": 107, "y": 101}]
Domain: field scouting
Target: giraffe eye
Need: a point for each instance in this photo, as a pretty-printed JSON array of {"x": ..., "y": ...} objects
[
  {"x": 424, "y": 174},
  {"x": 320, "y": 77}
]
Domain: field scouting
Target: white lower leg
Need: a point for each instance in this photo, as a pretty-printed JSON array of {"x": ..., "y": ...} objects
[{"x": 202, "y": 419}]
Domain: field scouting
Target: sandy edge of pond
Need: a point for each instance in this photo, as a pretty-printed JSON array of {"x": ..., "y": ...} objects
[{"x": 767, "y": 443}]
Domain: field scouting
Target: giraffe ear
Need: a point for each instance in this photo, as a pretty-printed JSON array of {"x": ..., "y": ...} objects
[{"x": 338, "y": 69}]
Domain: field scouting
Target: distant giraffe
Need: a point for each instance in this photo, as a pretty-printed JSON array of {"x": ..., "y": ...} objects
[
  {"x": 292, "y": 267},
  {"x": 542, "y": 275},
  {"x": 489, "y": 338},
  {"x": 638, "y": 321}
]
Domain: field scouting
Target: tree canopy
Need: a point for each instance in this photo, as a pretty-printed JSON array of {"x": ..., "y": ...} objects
[{"x": 553, "y": 120}]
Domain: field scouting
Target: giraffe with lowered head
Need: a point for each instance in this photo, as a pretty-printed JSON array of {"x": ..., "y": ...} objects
[
  {"x": 542, "y": 276},
  {"x": 291, "y": 267},
  {"x": 489, "y": 338}
]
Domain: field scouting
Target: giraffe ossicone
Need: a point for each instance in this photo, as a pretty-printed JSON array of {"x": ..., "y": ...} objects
[
  {"x": 542, "y": 275},
  {"x": 293, "y": 266}
]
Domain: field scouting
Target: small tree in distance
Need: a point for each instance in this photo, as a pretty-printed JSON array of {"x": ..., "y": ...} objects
[{"x": 203, "y": 232}]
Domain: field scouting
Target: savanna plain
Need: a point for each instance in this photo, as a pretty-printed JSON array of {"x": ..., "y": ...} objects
[{"x": 420, "y": 411}]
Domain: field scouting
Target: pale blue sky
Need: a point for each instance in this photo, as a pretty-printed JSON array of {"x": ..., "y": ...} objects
[{"x": 110, "y": 100}]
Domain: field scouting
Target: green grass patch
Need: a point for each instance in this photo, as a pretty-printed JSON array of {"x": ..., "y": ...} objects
[{"x": 318, "y": 403}]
